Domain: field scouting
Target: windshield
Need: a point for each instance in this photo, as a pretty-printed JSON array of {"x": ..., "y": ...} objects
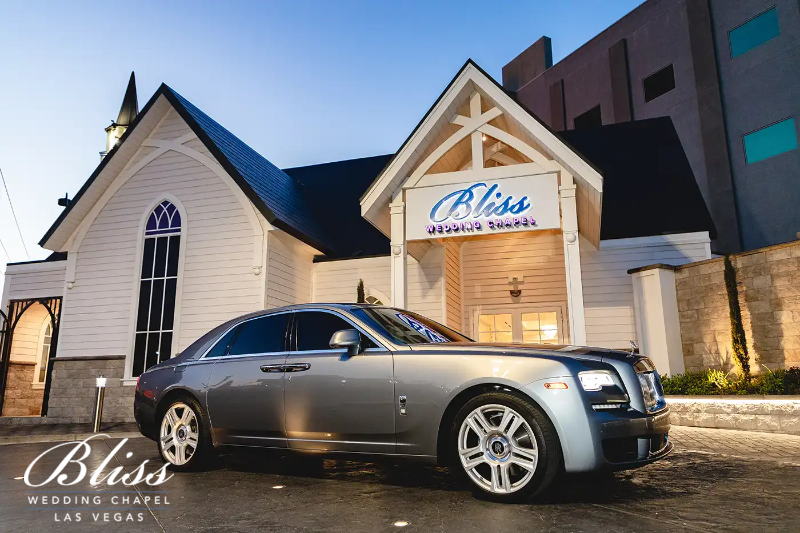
[{"x": 405, "y": 327}]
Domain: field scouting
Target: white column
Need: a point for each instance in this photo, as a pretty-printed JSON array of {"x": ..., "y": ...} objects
[
  {"x": 658, "y": 327},
  {"x": 572, "y": 260},
  {"x": 397, "y": 210}
]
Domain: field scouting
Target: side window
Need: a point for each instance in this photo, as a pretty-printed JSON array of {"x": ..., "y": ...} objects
[
  {"x": 221, "y": 347},
  {"x": 314, "y": 331},
  {"x": 261, "y": 335}
]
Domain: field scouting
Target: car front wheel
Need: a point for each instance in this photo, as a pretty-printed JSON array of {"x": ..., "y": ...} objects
[{"x": 505, "y": 446}]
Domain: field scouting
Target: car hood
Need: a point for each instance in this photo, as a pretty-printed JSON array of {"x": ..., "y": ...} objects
[{"x": 585, "y": 353}]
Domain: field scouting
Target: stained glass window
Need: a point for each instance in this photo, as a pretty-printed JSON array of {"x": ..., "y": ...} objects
[{"x": 157, "y": 287}]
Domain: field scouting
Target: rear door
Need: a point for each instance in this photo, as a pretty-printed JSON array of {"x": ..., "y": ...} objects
[
  {"x": 245, "y": 394},
  {"x": 335, "y": 401}
]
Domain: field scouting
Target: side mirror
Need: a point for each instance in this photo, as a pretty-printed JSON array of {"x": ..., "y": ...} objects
[{"x": 349, "y": 339}]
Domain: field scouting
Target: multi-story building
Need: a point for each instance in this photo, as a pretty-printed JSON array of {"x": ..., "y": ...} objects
[{"x": 726, "y": 73}]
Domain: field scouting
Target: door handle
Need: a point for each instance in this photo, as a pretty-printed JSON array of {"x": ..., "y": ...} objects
[
  {"x": 272, "y": 368},
  {"x": 296, "y": 367}
]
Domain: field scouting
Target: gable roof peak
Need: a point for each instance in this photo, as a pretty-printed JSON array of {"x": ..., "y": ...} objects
[{"x": 130, "y": 104}]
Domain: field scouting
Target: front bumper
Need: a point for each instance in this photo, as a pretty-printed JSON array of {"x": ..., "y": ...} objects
[{"x": 631, "y": 439}]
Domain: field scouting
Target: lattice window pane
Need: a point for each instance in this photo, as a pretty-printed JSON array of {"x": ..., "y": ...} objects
[{"x": 157, "y": 292}]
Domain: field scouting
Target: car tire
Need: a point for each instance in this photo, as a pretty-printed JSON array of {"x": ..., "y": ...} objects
[
  {"x": 512, "y": 454},
  {"x": 184, "y": 440}
]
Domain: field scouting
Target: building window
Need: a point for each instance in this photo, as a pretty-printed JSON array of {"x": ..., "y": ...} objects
[
  {"x": 540, "y": 328},
  {"x": 770, "y": 141},
  {"x": 659, "y": 83},
  {"x": 590, "y": 119},
  {"x": 495, "y": 328},
  {"x": 157, "y": 287},
  {"x": 754, "y": 32},
  {"x": 43, "y": 356}
]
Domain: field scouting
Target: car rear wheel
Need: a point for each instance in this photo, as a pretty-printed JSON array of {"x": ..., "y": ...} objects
[
  {"x": 183, "y": 439},
  {"x": 505, "y": 447}
]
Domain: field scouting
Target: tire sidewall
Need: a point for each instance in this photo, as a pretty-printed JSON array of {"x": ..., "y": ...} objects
[{"x": 546, "y": 442}]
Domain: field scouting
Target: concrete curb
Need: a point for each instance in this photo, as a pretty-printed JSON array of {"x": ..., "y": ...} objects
[{"x": 69, "y": 437}]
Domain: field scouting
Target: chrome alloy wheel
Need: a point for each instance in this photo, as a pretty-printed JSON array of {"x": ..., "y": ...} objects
[
  {"x": 498, "y": 449},
  {"x": 179, "y": 434}
]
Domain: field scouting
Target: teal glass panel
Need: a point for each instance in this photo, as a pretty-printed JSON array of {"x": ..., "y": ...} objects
[
  {"x": 754, "y": 32},
  {"x": 770, "y": 141}
]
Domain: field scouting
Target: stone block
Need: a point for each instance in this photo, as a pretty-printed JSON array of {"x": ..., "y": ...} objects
[
  {"x": 767, "y": 423},
  {"x": 790, "y": 424},
  {"x": 746, "y": 422},
  {"x": 750, "y": 259},
  {"x": 778, "y": 254}
]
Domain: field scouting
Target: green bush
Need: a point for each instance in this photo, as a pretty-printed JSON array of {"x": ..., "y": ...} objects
[{"x": 716, "y": 382}]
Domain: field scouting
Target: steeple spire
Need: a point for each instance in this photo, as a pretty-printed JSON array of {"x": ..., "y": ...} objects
[
  {"x": 127, "y": 112},
  {"x": 130, "y": 104}
]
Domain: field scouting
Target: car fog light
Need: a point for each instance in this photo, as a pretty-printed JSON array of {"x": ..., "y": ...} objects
[
  {"x": 607, "y": 406},
  {"x": 594, "y": 380}
]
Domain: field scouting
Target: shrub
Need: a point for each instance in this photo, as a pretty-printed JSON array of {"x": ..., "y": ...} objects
[{"x": 716, "y": 382}]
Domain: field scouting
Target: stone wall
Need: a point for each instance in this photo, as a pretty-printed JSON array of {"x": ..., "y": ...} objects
[
  {"x": 769, "y": 297},
  {"x": 72, "y": 391},
  {"x": 752, "y": 413},
  {"x": 21, "y": 399}
]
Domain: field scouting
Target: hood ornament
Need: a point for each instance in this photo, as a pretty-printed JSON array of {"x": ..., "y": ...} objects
[{"x": 634, "y": 347}]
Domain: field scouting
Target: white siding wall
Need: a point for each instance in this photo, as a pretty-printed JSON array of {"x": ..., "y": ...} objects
[
  {"x": 39, "y": 280},
  {"x": 218, "y": 280},
  {"x": 426, "y": 284},
  {"x": 487, "y": 263},
  {"x": 289, "y": 268},
  {"x": 607, "y": 286},
  {"x": 452, "y": 267},
  {"x": 337, "y": 281}
]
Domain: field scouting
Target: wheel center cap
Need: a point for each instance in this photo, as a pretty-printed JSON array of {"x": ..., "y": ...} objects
[
  {"x": 498, "y": 448},
  {"x": 181, "y": 433}
]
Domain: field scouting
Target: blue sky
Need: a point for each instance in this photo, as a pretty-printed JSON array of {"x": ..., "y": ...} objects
[{"x": 301, "y": 82}]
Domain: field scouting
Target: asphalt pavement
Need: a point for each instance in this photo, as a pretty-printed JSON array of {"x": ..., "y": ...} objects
[{"x": 689, "y": 491}]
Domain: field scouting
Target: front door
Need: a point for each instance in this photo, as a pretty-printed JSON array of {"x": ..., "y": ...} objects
[
  {"x": 518, "y": 324},
  {"x": 245, "y": 394},
  {"x": 334, "y": 401}
]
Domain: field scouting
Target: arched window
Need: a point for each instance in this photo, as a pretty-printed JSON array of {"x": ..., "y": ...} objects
[
  {"x": 159, "y": 279},
  {"x": 43, "y": 355},
  {"x": 373, "y": 300}
]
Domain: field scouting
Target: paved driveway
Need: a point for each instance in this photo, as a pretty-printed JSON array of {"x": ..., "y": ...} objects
[{"x": 709, "y": 489}]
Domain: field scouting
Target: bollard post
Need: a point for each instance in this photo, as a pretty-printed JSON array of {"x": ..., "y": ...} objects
[{"x": 98, "y": 403}]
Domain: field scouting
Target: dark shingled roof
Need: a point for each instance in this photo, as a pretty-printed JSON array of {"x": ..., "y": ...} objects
[
  {"x": 333, "y": 190},
  {"x": 648, "y": 185},
  {"x": 279, "y": 197}
]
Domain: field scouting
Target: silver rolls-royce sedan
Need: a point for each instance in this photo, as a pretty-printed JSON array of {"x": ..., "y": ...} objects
[{"x": 378, "y": 381}]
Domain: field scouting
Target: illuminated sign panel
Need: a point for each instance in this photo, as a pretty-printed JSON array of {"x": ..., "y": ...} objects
[{"x": 483, "y": 207}]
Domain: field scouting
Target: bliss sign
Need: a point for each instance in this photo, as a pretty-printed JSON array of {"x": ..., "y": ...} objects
[
  {"x": 511, "y": 204},
  {"x": 463, "y": 204}
]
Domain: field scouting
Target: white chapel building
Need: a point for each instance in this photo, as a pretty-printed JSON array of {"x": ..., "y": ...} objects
[{"x": 484, "y": 220}]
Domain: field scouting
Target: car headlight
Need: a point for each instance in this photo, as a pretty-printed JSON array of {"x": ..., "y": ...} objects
[{"x": 594, "y": 380}]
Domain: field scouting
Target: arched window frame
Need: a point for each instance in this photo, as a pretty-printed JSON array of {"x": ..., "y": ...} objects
[
  {"x": 48, "y": 323},
  {"x": 372, "y": 292},
  {"x": 136, "y": 282}
]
